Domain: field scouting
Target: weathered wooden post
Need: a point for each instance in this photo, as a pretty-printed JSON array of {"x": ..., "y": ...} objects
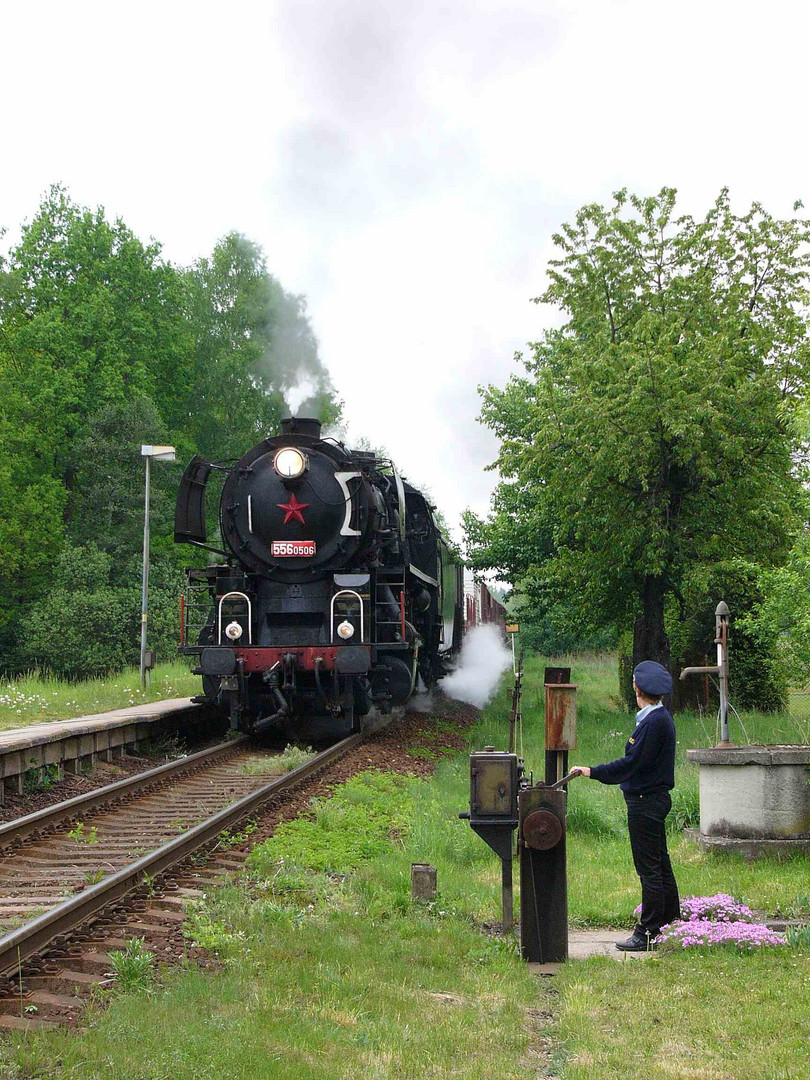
[{"x": 561, "y": 721}]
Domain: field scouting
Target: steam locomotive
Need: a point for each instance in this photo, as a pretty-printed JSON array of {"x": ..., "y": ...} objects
[{"x": 338, "y": 592}]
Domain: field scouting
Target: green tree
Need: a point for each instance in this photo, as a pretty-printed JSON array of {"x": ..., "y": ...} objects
[
  {"x": 90, "y": 319},
  {"x": 104, "y": 346},
  {"x": 105, "y": 507},
  {"x": 654, "y": 430},
  {"x": 253, "y": 344},
  {"x": 84, "y": 626},
  {"x": 782, "y": 620}
]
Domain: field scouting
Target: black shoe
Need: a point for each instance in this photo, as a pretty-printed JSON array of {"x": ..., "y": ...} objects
[{"x": 636, "y": 943}]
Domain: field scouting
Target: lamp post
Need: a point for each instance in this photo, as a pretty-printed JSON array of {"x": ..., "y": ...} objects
[{"x": 159, "y": 453}]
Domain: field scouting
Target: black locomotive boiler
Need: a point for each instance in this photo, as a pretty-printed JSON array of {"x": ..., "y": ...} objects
[{"x": 337, "y": 592}]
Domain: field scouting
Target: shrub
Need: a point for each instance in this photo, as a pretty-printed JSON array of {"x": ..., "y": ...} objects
[
  {"x": 721, "y": 908},
  {"x": 706, "y": 933},
  {"x": 86, "y": 627}
]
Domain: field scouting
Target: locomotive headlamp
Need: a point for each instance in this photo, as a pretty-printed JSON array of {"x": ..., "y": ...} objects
[
  {"x": 290, "y": 463},
  {"x": 345, "y": 630},
  {"x": 233, "y": 631}
]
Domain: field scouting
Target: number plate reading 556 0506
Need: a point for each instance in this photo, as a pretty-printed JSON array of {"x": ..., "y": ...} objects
[{"x": 293, "y": 549}]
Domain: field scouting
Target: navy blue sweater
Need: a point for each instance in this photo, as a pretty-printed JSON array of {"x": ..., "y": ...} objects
[{"x": 649, "y": 757}]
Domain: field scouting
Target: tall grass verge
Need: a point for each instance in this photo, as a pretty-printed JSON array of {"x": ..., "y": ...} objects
[{"x": 38, "y": 698}]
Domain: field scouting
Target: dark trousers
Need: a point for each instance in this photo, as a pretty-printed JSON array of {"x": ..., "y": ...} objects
[{"x": 646, "y": 822}]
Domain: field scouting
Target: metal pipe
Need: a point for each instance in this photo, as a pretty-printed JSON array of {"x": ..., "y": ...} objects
[
  {"x": 699, "y": 671},
  {"x": 415, "y": 670},
  {"x": 720, "y": 669},
  {"x": 507, "y": 895},
  {"x": 266, "y": 722},
  {"x": 145, "y": 585},
  {"x": 721, "y": 639}
]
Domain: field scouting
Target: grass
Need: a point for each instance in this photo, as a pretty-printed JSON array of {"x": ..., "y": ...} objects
[
  {"x": 291, "y": 758},
  {"x": 36, "y": 698},
  {"x": 716, "y": 1016},
  {"x": 326, "y": 968},
  {"x": 132, "y": 966}
]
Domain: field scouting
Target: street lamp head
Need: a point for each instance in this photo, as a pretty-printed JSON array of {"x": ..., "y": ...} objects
[{"x": 159, "y": 453}]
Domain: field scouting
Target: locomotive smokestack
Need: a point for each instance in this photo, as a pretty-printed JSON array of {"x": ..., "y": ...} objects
[{"x": 301, "y": 425}]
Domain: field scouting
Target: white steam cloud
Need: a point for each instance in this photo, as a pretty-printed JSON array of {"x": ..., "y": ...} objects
[
  {"x": 298, "y": 394},
  {"x": 484, "y": 658}
]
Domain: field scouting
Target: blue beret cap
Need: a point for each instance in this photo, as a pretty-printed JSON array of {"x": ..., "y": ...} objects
[{"x": 652, "y": 679}]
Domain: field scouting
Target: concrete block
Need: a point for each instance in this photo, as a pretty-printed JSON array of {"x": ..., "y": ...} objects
[
  {"x": 423, "y": 882},
  {"x": 754, "y": 793},
  {"x": 749, "y": 849}
]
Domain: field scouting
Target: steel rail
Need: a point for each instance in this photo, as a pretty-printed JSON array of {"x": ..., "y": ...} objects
[
  {"x": 35, "y": 936},
  {"x": 70, "y": 809}
]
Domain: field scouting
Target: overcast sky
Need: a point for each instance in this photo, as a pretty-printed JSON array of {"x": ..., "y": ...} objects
[{"x": 403, "y": 164}]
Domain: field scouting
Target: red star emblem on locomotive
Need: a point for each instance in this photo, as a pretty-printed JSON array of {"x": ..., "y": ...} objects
[{"x": 292, "y": 510}]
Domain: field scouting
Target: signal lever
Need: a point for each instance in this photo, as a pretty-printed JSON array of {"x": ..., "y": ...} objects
[{"x": 561, "y": 783}]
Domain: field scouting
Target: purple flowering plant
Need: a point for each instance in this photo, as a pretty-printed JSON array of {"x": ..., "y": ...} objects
[
  {"x": 705, "y": 933},
  {"x": 707, "y": 921},
  {"x": 720, "y": 908}
]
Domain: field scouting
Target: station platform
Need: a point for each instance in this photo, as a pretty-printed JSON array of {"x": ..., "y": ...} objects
[{"x": 73, "y": 745}]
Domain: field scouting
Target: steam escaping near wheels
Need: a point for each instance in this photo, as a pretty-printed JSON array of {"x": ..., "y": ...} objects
[{"x": 484, "y": 658}]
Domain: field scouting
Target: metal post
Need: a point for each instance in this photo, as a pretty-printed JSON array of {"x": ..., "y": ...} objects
[
  {"x": 507, "y": 902},
  {"x": 145, "y": 589},
  {"x": 543, "y": 884},
  {"x": 721, "y": 640},
  {"x": 721, "y": 670},
  {"x": 514, "y": 714}
]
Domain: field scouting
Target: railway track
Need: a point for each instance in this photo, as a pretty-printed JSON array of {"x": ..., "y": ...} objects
[{"x": 66, "y": 866}]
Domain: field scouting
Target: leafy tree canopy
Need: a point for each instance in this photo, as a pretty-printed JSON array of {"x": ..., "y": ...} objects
[
  {"x": 253, "y": 347},
  {"x": 103, "y": 346},
  {"x": 654, "y": 430}
]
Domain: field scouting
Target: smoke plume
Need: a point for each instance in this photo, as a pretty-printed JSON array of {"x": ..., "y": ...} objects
[
  {"x": 292, "y": 360},
  {"x": 484, "y": 658}
]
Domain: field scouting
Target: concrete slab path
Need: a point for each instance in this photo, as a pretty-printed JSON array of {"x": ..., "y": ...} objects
[{"x": 585, "y": 943}]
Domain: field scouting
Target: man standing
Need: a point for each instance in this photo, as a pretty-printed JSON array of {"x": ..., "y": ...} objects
[{"x": 646, "y": 775}]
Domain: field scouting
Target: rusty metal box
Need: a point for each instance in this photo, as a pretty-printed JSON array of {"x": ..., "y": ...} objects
[
  {"x": 561, "y": 716},
  {"x": 493, "y": 785}
]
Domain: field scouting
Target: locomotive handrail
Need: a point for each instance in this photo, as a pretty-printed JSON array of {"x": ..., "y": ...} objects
[
  {"x": 222, "y": 599},
  {"x": 359, "y": 599}
]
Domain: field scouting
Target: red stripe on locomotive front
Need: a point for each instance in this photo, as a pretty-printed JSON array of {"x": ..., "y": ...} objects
[{"x": 305, "y": 657}]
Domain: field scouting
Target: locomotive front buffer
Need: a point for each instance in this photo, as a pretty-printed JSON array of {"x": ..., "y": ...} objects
[{"x": 504, "y": 799}]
